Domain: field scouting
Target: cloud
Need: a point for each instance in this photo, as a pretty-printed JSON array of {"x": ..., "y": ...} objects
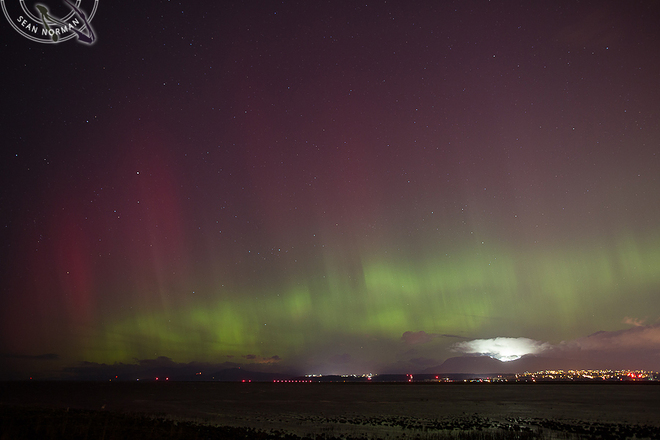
[
  {"x": 414, "y": 338},
  {"x": 166, "y": 367},
  {"x": 144, "y": 368},
  {"x": 633, "y": 348},
  {"x": 503, "y": 349},
  {"x": 17, "y": 366},
  {"x": 268, "y": 360},
  {"x": 261, "y": 359},
  {"x": 159, "y": 362},
  {"x": 634, "y": 321},
  {"x": 637, "y": 347},
  {"x": 639, "y": 337}
]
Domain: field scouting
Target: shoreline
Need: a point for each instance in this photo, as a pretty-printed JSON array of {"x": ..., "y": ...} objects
[
  {"x": 19, "y": 422},
  {"x": 367, "y": 410}
]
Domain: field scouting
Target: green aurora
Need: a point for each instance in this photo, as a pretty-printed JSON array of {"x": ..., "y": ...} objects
[{"x": 483, "y": 293}]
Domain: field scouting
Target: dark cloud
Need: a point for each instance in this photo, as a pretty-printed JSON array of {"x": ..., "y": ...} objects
[
  {"x": 18, "y": 366},
  {"x": 268, "y": 360},
  {"x": 639, "y": 337},
  {"x": 165, "y": 367},
  {"x": 160, "y": 361},
  {"x": 414, "y": 338},
  {"x": 142, "y": 369},
  {"x": 261, "y": 359}
]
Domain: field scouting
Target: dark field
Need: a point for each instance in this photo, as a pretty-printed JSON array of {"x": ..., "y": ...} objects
[{"x": 269, "y": 410}]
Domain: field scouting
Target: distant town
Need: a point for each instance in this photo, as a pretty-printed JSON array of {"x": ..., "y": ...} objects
[
  {"x": 526, "y": 377},
  {"x": 587, "y": 375}
]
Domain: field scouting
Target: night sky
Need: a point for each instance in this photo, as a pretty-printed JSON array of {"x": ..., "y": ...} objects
[{"x": 332, "y": 187}]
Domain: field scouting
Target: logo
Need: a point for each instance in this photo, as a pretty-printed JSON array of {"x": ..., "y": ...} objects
[{"x": 42, "y": 26}]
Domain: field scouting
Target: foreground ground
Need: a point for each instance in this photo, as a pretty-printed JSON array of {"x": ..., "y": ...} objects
[{"x": 190, "y": 410}]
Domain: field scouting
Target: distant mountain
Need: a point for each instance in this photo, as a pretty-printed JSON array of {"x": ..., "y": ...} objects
[
  {"x": 470, "y": 365},
  {"x": 488, "y": 365}
]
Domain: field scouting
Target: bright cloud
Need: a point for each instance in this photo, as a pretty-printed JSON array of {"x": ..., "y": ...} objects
[{"x": 503, "y": 349}]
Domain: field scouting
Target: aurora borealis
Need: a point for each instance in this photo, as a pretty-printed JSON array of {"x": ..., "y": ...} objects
[{"x": 333, "y": 188}]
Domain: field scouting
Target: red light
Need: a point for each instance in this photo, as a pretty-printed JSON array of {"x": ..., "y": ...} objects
[
  {"x": 156, "y": 378},
  {"x": 167, "y": 378}
]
